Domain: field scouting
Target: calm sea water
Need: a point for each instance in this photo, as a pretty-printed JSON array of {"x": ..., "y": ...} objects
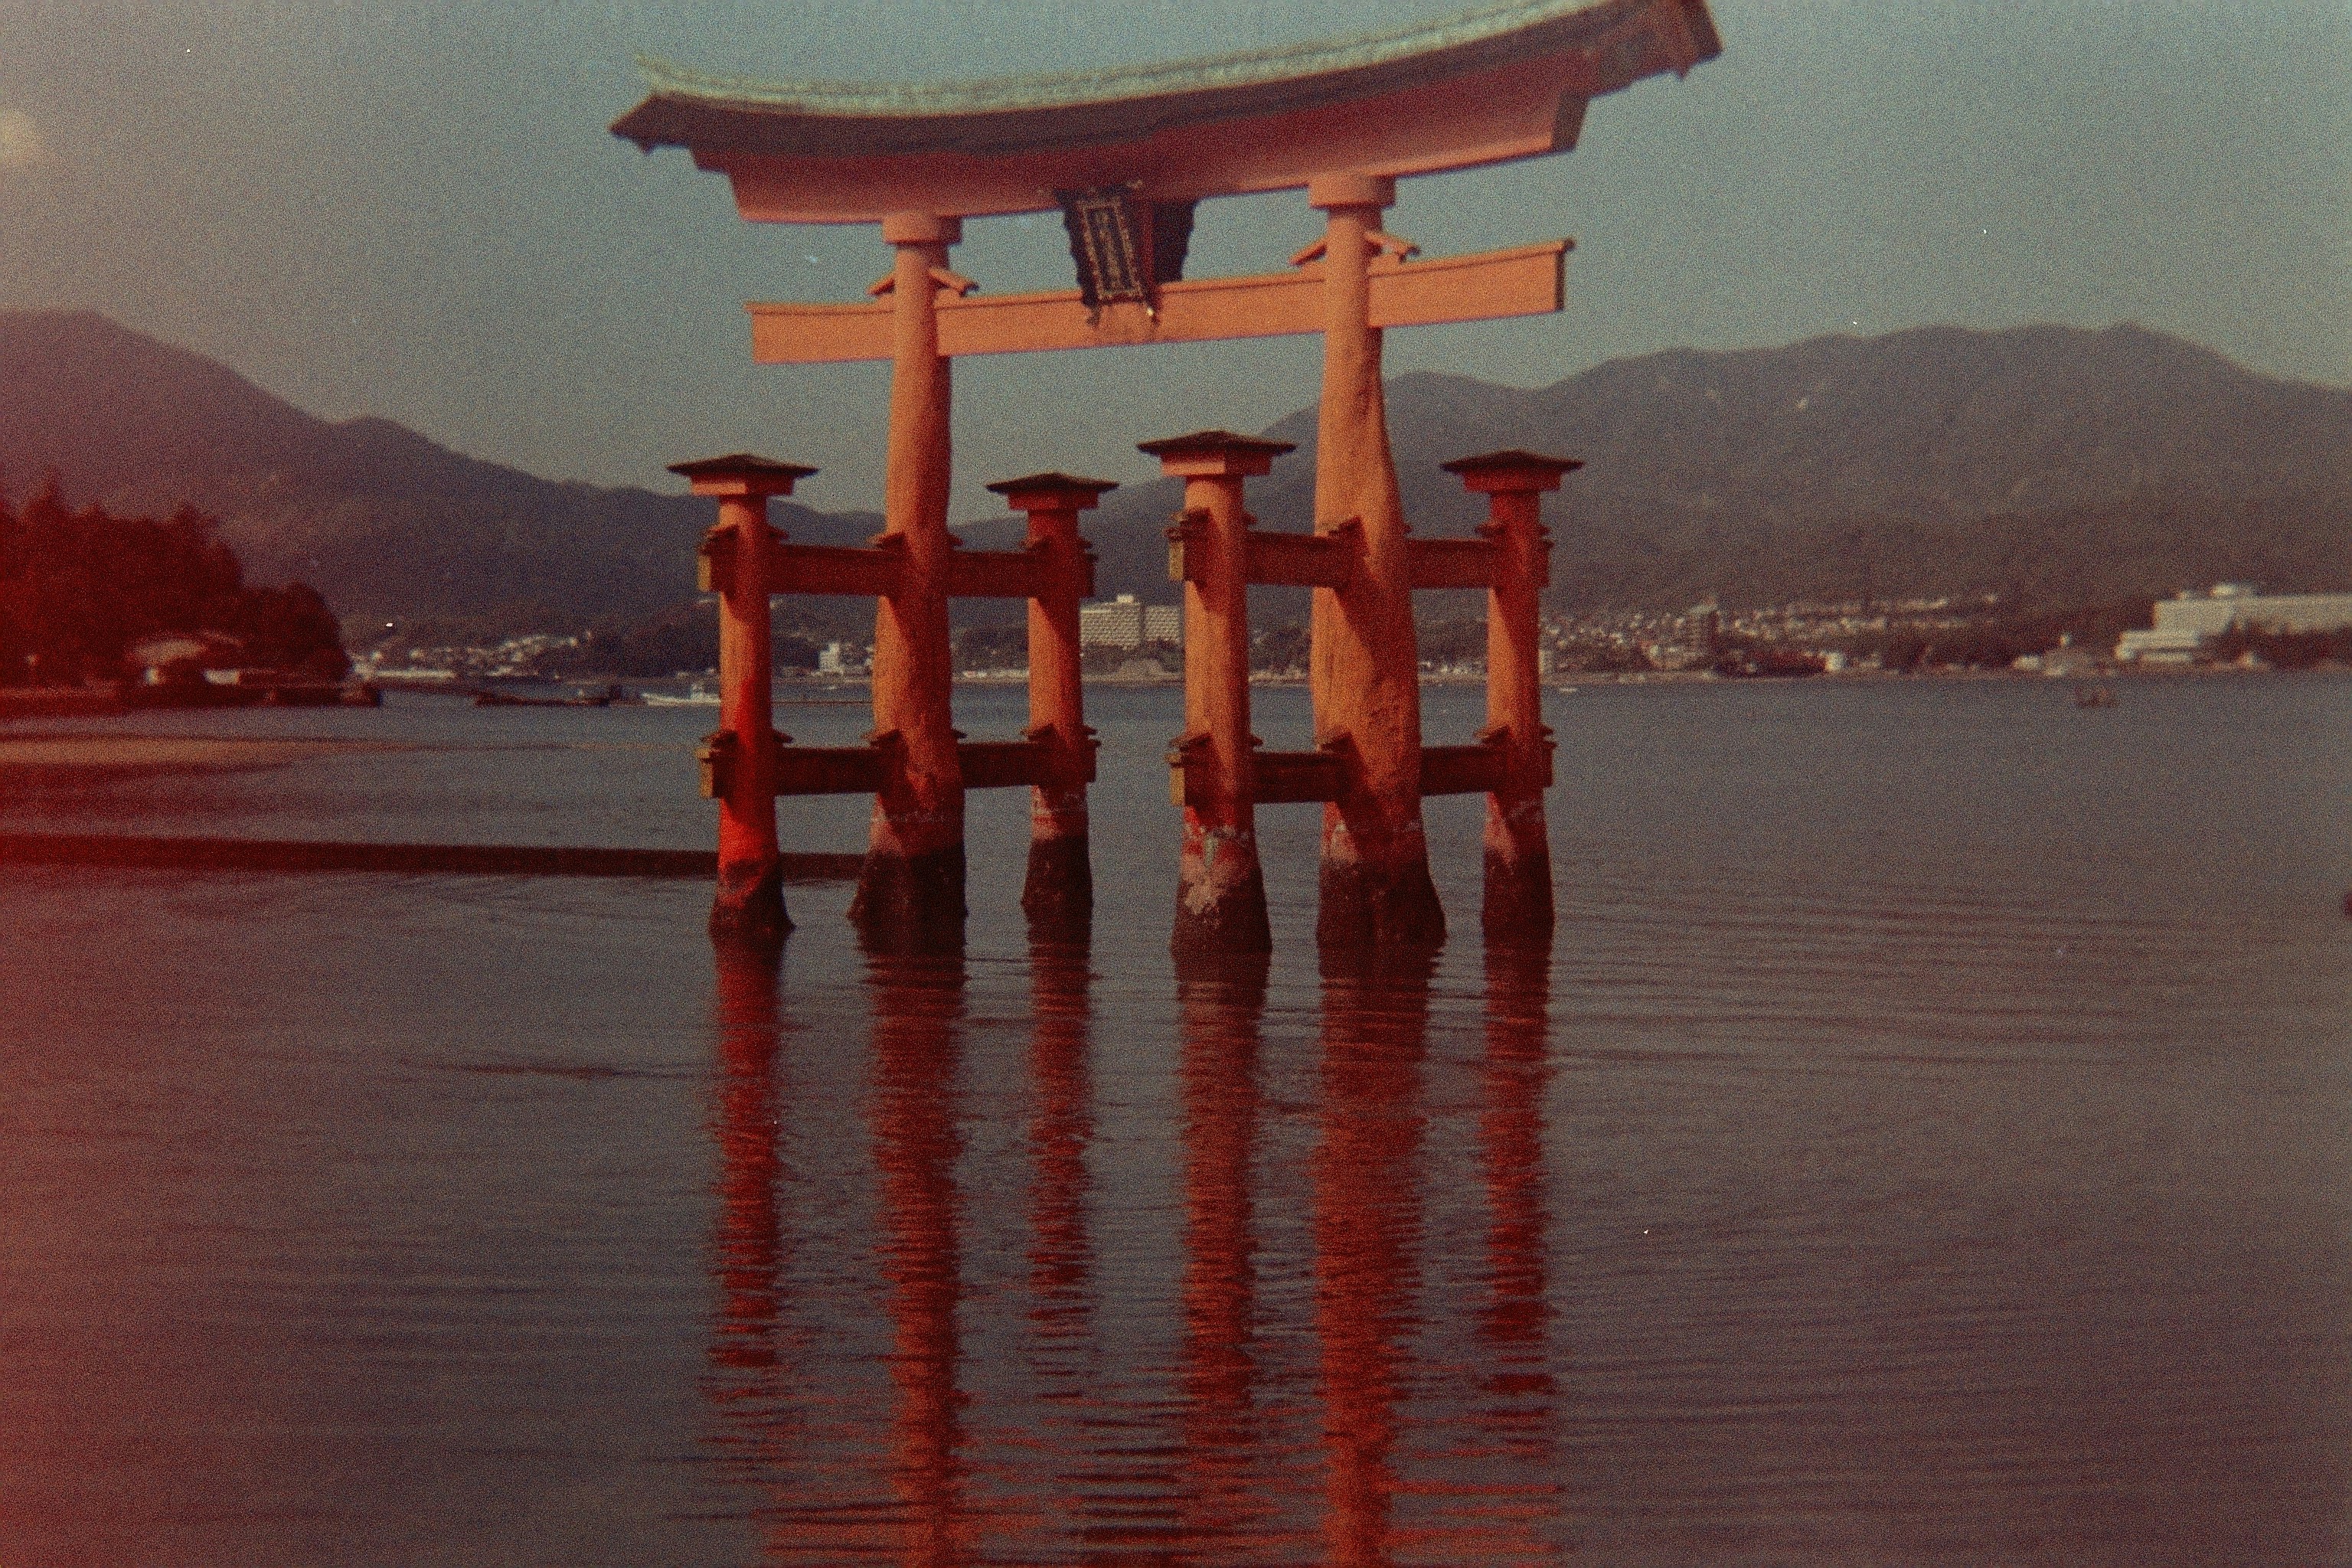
[{"x": 1929, "y": 1141}]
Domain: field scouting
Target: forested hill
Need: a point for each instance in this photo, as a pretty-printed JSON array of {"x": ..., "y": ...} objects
[
  {"x": 2045, "y": 463},
  {"x": 381, "y": 521}
]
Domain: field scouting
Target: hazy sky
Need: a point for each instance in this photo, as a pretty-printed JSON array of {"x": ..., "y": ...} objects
[{"x": 414, "y": 209}]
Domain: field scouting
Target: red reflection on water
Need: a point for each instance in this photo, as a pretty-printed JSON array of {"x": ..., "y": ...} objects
[
  {"x": 1061, "y": 1253},
  {"x": 1367, "y": 1235},
  {"x": 1519, "y": 1412},
  {"x": 748, "y": 1250},
  {"x": 917, "y": 1002},
  {"x": 1448, "y": 1461},
  {"x": 1220, "y": 1013}
]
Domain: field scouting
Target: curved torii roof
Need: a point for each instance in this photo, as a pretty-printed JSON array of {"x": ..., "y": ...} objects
[{"x": 1506, "y": 81}]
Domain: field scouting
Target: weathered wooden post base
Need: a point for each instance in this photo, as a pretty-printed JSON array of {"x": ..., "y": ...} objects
[
  {"x": 1517, "y": 910},
  {"x": 1058, "y": 894},
  {"x": 910, "y": 902},
  {"x": 1376, "y": 897},
  {"x": 750, "y": 903},
  {"x": 1220, "y": 894}
]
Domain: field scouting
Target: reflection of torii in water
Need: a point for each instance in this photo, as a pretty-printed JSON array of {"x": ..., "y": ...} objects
[{"x": 1125, "y": 155}]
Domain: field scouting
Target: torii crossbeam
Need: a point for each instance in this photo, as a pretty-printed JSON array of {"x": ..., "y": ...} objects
[{"x": 1125, "y": 155}]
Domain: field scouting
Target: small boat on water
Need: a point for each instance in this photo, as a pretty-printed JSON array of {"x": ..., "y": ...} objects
[
  {"x": 2095, "y": 694},
  {"x": 487, "y": 698},
  {"x": 701, "y": 694}
]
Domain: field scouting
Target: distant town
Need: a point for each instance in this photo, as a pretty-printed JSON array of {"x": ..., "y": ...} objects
[{"x": 2229, "y": 625}]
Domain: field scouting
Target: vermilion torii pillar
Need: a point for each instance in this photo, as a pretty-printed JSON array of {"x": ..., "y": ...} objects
[
  {"x": 1220, "y": 886},
  {"x": 1375, "y": 883},
  {"x": 1059, "y": 889},
  {"x": 912, "y": 885},
  {"x": 1519, "y": 896},
  {"x": 739, "y": 759}
]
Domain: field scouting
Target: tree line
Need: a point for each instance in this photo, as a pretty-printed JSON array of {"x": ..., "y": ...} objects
[{"x": 81, "y": 587}]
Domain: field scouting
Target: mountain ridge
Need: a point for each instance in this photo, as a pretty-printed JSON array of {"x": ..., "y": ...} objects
[{"x": 2039, "y": 461}]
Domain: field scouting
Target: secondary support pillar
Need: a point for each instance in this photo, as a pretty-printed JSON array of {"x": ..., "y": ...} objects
[
  {"x": 739, "y": 758},
  {"x": 1366, "y": 674},
  {"x": 910, "y": 892},
  {"x": 1220, "y": 886},
  {"x": 1519, "y": 895},
  {"x": 1059, "y": 893}
]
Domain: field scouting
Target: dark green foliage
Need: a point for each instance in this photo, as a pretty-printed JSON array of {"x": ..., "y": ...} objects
[
  {"x": 79, "y": 588},
  {"x": 2282, "y": 650},
  {"x": 1279, "y": 649},
  {"x": 1454, "y": 643},
  {"x": 1996, "y": 641},
  {"x": 1003, "y": 646},
  {"x": 681, "y": 639}
]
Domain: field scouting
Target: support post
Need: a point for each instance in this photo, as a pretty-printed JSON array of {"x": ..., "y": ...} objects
[
  {"x": 910, "y": 893},
  {"x": 741, "y": 757},
  {"x": 1517, "y": 909},
  {"x": 1375, "y": 888},
  {"x": 1059, "y": 894},
  {"x": 1220, "y": 886}
]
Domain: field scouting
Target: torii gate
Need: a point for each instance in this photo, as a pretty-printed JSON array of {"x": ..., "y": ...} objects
[{"x": 1125, "y": 155}]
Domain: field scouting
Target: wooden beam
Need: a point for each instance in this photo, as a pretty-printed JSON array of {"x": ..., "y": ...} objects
[
  {"x": 996, "y": 574},
  {"x": 1452, "y": 563},
  {"x": 1464, "y": 770},
  {"x": 828, "y": 770},
  {"x": 1003, "y": 764},
  {"x": 845, "y": 568},
  {"x": 1525, "y": 280},
  {"x": 1306, "y": 560},
  {"x": 1295, "y": 777}
]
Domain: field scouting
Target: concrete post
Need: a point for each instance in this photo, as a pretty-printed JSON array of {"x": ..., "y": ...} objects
[
  {"x": 1375, "y": 885},
  {"x": 1220, "y": 886},
  {"x": 1060, "y": 891},
  {"x": 740, "y": 756},
  {"x": 1518, "y": 894},
  {"x": 911, "y": 889}
]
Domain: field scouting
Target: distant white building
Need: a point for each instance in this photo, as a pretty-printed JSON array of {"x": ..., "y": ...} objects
[
  {"x": 2182, "y": 624},
  {"x": 1122, "y": 623}
]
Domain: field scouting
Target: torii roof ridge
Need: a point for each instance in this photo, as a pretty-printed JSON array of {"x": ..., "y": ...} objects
[
  {"x": 1049, "y": 89},
  {"x": 1148, "y": 121}
]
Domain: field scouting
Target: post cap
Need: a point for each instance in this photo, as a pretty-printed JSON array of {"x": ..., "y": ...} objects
[
  {"x": 1213, "y": 452},
  {"x": 1512, "y": 469},
  {"x": 1350, "y": 189},
  {"x": 741, "y": 474},
  {"x": 1068, "y": 489}
]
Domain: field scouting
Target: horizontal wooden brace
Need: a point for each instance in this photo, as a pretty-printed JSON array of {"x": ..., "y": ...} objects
[
  {"x": 985, "y": 764},
  {"x": 1272, "y": 560},
  {"x": 1292, "y": 777},
  {"x": 1453, "y": 563},
  {"x": 849, "y": 569},
  {"x": 1003, "y": 764},
  {"x": 1306, "y": 560},
  {"x": 1466, "y": 770},
  {"x": 829, "y": 770},
  {"x": 1525, "y": 280},
  {"x": 714, "y": 557},
  {"x": 999, "y": 573},
  {"x": 1298, "y": 777}
]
